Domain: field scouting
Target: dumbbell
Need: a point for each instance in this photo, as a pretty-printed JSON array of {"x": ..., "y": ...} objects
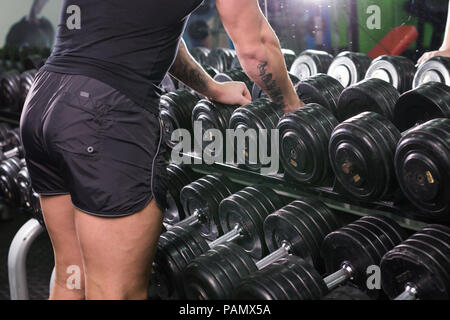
[
  {"x": 362, "y": 150},
  {"x": 396, "y": 70},
  {"x": 435, "y": 69},
  {"x": 221, "y": 59},
  {"x": 349, "y": 67},
  {"x": 212, "y": 115},
  {"x": 178, "y": 176},
  {"x": 260, "y": 114},
  {"x": 347, "y": 292},
  {"x": 201, "y": 199},
  {"x": 321, "y": 89},
  {"x": 33, "y": 62},
  {"x": 419, "y": 267},
  {"x": 10, "y": 56},
  {"x": 350, "y": 250},
  {"x": 368, "y": 95},
  {"x": 26, "y": 81},
  {"x": 200, "y": 54},
  {"x": 29, "y": 199},
  {"x": 11, "y": 145},
  {"x": 8, "y": 180},
  {"x": 24, "y": 186},
  {"x": 241, "y": 215},
  {"x": 311, "y": 62},
  {"x": 304, "y": 136},
  {"x": 175, "y": 110},
  {"x": 10, "y": 88},
  {"x": 429, "y": 101},
  {"x": 422, "y": 167},
  {"x": 234, "y": 75},
  {"x": 4, "y": 128},
  {"x": 297, "y": 228}
]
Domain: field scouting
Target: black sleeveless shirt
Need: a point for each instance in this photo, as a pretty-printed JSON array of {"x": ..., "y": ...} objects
[{"x": 127, "y": 44}]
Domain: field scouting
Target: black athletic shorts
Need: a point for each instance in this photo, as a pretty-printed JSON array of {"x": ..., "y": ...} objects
[{"x": 84, "y": 138}]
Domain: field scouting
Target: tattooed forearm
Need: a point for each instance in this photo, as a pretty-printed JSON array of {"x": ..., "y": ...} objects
[
  {"x": 188, "y": 71},
  {"x": 192, "y": 76},
  {"x": 273, "y": 89}
]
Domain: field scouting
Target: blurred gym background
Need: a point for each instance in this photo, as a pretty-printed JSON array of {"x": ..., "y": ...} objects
[{"x": 300, "y": 24}]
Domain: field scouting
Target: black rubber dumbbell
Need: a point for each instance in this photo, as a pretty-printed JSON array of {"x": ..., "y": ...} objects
[
  {"x": 297, "y": 228},
  {"x": 241, "y": 216},
  {"x": 435, "y": 69},
  {"x": 350, "y": 250},
  {"x": 349, "y": 67},
  {"x": 175, "y": 110},
  {"x": 419, "y": 267},
  {"x": 304, "y": 136},
  {"x": 311, "y": 62},
  {"x": 396, "y": 70}
]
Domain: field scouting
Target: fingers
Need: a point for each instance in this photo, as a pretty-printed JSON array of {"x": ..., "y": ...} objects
[
  {"x": 426, "y": 56},
  {"x": 247, "y": 95}
]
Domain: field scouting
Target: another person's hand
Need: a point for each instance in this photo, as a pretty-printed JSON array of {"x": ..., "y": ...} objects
[
  {"x": 431, "y": 54},
  {"x": 231, "y": 93}
]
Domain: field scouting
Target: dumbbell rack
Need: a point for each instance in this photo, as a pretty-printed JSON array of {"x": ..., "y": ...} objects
[{"x": 404, "y": 214}]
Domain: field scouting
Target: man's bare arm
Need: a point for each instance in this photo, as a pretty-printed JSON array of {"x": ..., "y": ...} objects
[
  {"x": 188, "y": 71},
  {"x": 259, "y": 50},
  {"x": 444, "y": 50}
]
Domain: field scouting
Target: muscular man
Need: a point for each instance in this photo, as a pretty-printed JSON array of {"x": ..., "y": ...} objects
[
  {"x": 92, "y": 135},
  {"x": 444, "y": 50}
]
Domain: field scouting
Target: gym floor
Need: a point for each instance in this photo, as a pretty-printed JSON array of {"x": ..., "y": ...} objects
[{"x": 39, "y": 262}]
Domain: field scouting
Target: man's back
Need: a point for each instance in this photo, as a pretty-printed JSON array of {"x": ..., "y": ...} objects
[{"x": 129, "y": 45}]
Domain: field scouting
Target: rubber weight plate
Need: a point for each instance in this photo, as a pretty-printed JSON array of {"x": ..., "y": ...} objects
[
  {"x": 212, "y": 115},
  {"x": 178, "y": 176},
  {"x": 221, "y": 59},
  {"x": 287, "y": 279},
  {"x": 396, "y": 70},
  {"x": 248, "y": 208},
  {"x": 321, "y": 89},
  {"x": 176, "y": 248},
  {"x": 358, "y": 248},
  {"x": 429, "y": 101},
  {"x": 349, "y": 67},
  {"x": 422, "y": 166},
  {"x": 421, "y": 261},
  {"x": 435, "y": 69},
  {"x": 304, "y": 136},
  {"x": 175, "y": 111},
  {"x": 310, "y": 63},
  {"x": 26, "y": 81},
  {"x": 368, "y": 95},
  {"x": 200, "y": 54},
  {"x": 303, "y": 225},
  {"x": 8, "y": 183},
  {"x": 205, "y": 195},
  {"x": 361, "y": 151},
  {"x": 347, "y": 292},
  {"x": 235, "y": 75},
  {"x": 260, "y": 114},
  {"x": 10, "y": 88},
  {"x": 214, "y": 275}
]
